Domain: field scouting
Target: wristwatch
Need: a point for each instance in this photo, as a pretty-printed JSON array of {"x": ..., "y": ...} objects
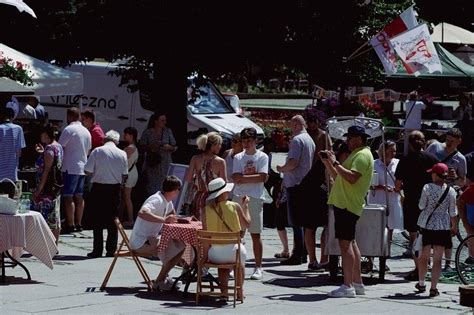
[{"x": 336, "y": 163}]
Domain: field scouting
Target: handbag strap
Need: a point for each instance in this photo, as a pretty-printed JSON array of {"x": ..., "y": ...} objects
[
  {"x": 443, "y": 196},
  {"x": 222, "y": 218},
  {"x": 449, "y": 156}
]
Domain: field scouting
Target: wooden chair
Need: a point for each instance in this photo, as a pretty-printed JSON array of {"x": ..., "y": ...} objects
[
  {"x": 207, "y": 238},
  {"x": 126, "y": 252}
]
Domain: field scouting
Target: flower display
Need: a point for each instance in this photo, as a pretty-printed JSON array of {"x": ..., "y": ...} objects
[{"x": 15, "y": 70}]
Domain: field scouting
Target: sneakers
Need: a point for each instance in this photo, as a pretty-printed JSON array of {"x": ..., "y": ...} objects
[
  {"x": 434, "y": 292},
  {"x": 78, "y": 228},
  {"x": 165, "y": 285},
  {"x": 315, "y": 266},
  {"x": 448, "y": 268},
  {"x": 257, "y": 274},
  {"x": 359, "y": 288},
  {"x": 343, "y": 292},
  {"x": 420, "y": 288}
]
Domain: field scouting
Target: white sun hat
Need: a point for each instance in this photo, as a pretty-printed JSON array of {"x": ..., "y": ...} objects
[{"x": 218, "y": 186}]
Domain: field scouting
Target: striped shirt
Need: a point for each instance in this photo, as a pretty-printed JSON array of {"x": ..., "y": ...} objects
[{"x": 11, "y": 143}]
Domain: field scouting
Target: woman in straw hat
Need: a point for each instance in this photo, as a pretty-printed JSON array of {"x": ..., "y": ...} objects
[{"x": 222, "y": 215}]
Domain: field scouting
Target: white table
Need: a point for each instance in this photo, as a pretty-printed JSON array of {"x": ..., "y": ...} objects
[{"x": 26, "y": 231}]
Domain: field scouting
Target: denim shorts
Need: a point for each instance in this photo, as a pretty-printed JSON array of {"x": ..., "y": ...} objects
[{"x": 73, "y": 184}]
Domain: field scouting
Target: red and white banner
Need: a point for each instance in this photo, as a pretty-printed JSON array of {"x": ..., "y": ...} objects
[
  {"x": 381, "y": 43},
  {"x": 416, "y": 50}
]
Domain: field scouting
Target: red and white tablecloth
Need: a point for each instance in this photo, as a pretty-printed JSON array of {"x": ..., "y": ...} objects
[
  {"x": 27, "y": 231},
  {"x": 185, "y": 232}
]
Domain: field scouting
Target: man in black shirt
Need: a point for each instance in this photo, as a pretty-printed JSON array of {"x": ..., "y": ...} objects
[{"x": 411, "y": 175}]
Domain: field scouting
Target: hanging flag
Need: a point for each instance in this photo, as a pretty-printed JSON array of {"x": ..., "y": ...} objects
[
  {"x": 381, "y": 44},
  {"x": 416, "y": 50}
]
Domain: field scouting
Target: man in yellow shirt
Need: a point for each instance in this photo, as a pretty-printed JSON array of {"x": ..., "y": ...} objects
[{"x": 347, "y": 196}]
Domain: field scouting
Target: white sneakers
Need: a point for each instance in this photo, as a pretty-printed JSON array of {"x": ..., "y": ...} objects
[
  {"x": 257, "y": 274},
  {"x": 349, "y": 292},
  {"x": 165, "y": 285},
  {"x": 359, "y": 288}
]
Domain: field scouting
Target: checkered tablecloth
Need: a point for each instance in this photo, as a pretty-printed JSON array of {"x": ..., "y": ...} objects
[
  {"x": 185, "y": 232},
  {"x": 27, "y": 231}
]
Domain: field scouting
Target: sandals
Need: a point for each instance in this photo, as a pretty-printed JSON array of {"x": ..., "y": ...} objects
[
  {"x": 282, "y": 255},
  {"x": 421, "y": 288},
  {"x": 434, "y": 292}
]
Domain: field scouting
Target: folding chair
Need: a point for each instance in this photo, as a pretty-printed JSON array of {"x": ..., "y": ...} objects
[
  {"x": 217, "y": 238},
  {"x": 126, "y": 252}
]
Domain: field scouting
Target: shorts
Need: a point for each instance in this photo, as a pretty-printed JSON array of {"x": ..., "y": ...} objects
[
  {"x": 344, "y": 224},
  {"x": 411, "y": 212},
  {"x": 256, "y": 214},
  {"x": 73, "y": 185},
  {"x": 132, "y": 178},
  {"x": 225, "y": 254},
  {"x": 437, "y": 238}
]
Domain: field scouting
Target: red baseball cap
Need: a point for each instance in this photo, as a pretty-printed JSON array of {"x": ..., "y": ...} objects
[{"x": 439, "y": 168}]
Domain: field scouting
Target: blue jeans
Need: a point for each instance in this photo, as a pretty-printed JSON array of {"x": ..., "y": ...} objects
[{"x": 293, "y": 202}]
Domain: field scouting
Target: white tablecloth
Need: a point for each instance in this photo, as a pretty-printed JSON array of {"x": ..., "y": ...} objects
[{"x": 27, "y": 231}]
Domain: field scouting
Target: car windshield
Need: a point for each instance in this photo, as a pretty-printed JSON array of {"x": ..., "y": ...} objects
[{"x": 203, "y": 98}]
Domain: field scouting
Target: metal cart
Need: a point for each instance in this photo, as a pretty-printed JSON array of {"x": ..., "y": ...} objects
[{"x": 371, "y": 231}]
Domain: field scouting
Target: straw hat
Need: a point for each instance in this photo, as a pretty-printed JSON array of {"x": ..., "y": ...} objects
[{"x": 217, "y": 187}]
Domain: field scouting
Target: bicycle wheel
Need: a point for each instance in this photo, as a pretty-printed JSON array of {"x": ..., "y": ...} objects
[{"x": 465, "y": 260}]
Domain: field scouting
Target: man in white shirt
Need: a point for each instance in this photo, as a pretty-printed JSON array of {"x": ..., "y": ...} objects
[
  {"x": 250, "y": 172},
  {"x": 108, "y": 167},
  {"x": 76, "y": 142},
  {"x": 156, "y": 210},
  {"x": 413, "y": 109}
]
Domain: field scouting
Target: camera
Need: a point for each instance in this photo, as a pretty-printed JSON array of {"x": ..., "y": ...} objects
[{"x": 323, "y": 154}]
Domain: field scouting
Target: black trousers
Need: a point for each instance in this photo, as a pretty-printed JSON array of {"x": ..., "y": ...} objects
[{"x": 104, "y": 199}]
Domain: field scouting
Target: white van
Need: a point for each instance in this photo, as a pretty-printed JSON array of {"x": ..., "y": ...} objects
[{"x": 116, "y": 108}]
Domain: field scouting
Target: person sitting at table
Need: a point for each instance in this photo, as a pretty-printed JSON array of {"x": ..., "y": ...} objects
[
  {"x": 47, "y": 196},
  {"x": 222, "y": 215},
  {"x": 145, "y": 237}
]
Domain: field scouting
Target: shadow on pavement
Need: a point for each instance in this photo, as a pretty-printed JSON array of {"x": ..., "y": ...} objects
[
  {"x": 298, "y": 297},
  {"x": 179, "y": 300},
  {"x": 70, "y": 257},
  {"x": 10, "y": 280},
  {"x": 406, "y": 297}
]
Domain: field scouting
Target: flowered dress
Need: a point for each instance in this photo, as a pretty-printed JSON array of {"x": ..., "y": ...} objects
[
  {"x": 47, "y": 203},
  {"x": 201, "y": 179}
]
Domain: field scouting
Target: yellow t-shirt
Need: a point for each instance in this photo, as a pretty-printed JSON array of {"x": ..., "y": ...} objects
[
  {"x": 229, "y": 214},
  {"x": 349, "y": 196}
]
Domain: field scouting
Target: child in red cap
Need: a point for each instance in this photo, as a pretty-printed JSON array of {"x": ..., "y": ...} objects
[{"x": 437, "y": 221}]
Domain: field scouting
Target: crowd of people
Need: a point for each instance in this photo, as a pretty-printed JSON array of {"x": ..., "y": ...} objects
[{"x": 422, "y": 190}]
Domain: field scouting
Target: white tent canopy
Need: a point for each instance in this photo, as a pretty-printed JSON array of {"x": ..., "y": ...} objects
[
  {"x": 48, "y": 79},
  {"x": 448, "y": 33}
]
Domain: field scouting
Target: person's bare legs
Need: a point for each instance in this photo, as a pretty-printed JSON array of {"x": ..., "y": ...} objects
[
  {"x": 310, "y": 242},
  {"x": 56, "y": 233},
  {"x": 448, "y": 254},
  {"x": 284, "y": 240},
  {"x": 422, "y": 263},
  {"x": 324, "y": 258},
  {"x": 69, "y": 205},
  {"x": 127, "y": 196},
  {"x": 79, "y": 209},
  {"x": 357, "y": 274},
  {"x": 257, "y": 249},
  {"x": 223, "y": 275},
  {"x": 166, "y": 268},
  {"x": 348, "y": 258},
  {"x": 436, "y": 267}
]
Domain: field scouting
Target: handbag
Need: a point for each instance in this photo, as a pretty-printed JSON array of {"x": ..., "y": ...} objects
[
  {"x": 54, "y": 183},
  {"x": 418, "y": 244}
]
